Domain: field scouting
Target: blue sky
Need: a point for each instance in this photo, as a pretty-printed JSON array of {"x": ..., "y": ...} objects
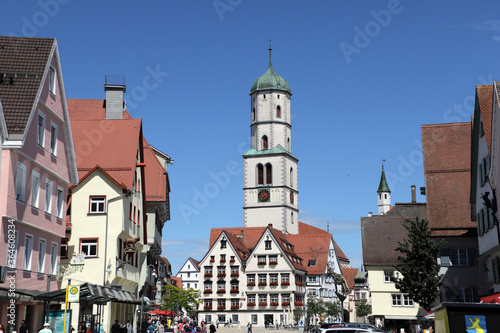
[{"x": 364, "y": 76}]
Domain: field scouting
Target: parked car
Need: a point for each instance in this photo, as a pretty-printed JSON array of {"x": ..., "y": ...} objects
[
  {"x": 365, "y": 326},
  {"x": 347, "y": 329}
]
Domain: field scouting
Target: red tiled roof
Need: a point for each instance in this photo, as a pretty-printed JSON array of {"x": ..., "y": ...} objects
[
  {"x": 312, "y": 247},
  {"x": 156, "y": 184},
  {"x": 110, "y": 144},
  {"x": 349, "y": 274},
  {"x": 485, "y": 98},
  {"x": 178, "y": 280},
  {"x": 89, "y": 109},
  {"x": 25, "y": 60},
  {"x": 446, "y": 150}
]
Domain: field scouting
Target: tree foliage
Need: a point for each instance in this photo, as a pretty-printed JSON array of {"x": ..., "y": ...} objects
[
  {"x": 315, "y": 307},
  {"x": 332, "y": 309},
  {"x": 298, "y": 313},
  {"x": 418, "y": 264},
  {"x": 179, "y": 298},
  {"x": 363, "y": 309}
]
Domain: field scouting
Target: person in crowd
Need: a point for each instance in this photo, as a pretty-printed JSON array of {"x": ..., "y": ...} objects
[
  {"x": 249, "y": 326},
  {"x": 115, "y": 328},
  {"x": 128, "y": 327},
  {"x": 23, "y": 328},
  {"x": 212, "y": 328},
  {"x": 46, "y": 328}
]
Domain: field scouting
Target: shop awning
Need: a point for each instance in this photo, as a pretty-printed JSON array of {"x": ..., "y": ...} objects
[
  {"x": 92, "y": 293},
  {"x": 495, "y": 298}
]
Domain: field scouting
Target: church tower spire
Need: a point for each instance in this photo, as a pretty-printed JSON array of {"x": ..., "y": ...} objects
[
  {"x": 270, "y": 169},
  {"x": 384, "y": 195}
]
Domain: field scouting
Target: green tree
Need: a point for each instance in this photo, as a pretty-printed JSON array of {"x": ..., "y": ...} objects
[
  {"x": 298, "y": 313},
  {"x": 363, "y": 309},
  {"x": 332, "y": 309},
  {"x": 178, "y": 298},
  {"x": 418, "y": 264},
  {"x": 314, "y": 308}
]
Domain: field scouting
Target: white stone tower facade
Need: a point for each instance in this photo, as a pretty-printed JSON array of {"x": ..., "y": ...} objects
[
  {"x": 270, "y": 186},
  {"x": 384, "y": 195}
]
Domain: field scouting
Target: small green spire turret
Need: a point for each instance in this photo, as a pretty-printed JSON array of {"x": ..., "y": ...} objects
[
  {"x": 383, "y": 187},
  {"x": 270, "y": 80}
]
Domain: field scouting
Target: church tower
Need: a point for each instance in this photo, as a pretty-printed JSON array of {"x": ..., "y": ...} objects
[
  {"x": 384, "y": 195},
  {"x": 270, "y": 188}
]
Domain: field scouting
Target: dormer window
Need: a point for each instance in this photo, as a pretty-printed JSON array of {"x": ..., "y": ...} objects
[
  {"x": 312, "y": 263},
  {"x": 223, "y": 244}
]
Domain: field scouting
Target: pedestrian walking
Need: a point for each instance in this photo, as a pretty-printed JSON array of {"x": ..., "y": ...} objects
[
  {"x": 212, "y": 328},
  {"x": 249, "y": 326},
  {"x": 46, "y": 328}
]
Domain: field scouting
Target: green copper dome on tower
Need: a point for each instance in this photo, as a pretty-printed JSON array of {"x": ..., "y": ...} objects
[
  {"x": 270, "y": 80},
  {"x": 383, "y": 187}
]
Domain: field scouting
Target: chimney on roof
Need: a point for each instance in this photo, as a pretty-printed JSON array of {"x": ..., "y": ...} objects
[
  {"x": 270, "y": 225},
  {"x": 370, "y": 214},
  {"x": 114, "y": 87},
  {"x": 413, "y": 194}
]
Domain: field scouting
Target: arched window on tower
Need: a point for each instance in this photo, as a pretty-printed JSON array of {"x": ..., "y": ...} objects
[
  {"x": 291, "y": 177},
  {"x": 269, "y": 173},
  {"x": 265, "y": 145},
  {"x": 260, "y": 174},
  {"x": 253, "y": 114},
  {"x": 278, "y": 112},
  {"x": 292, "y": 217}
]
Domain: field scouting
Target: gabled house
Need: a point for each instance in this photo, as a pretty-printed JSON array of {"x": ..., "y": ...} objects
[
  {"x": 37, "y": 166},
  {"x": 486, "y": 189},
  {"x": 380, "y": 235},
  {"x": 251, "y": 275},
  {"x": 189, "y": 272},
  {"x": 447, "y": 172}
]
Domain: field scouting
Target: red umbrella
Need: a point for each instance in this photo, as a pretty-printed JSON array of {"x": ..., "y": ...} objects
[{"x": 491, "y": 299}]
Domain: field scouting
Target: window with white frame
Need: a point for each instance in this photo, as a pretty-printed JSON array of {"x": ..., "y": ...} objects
[
  {"x": 273, "y": 259},
  {"x": 53, "y": 139},
  {"x": 401, "y": 300},
  {"x": 208, "y": 269},
  {"x": 285, "y": 298},
  {"x": 251, "y": 278},
  {"x": 312, "y": 263},
  {"x": 221, "y": 302},
  {"x": 221, "y": 270},
  {"x": 235, "y": 318},
  {"x": 273, "y": 278},
  {"x": 208, "y": 286},
  {"x": 274, "y": 298},
  {"x": 28, "y": 252},
  {"x": 458, "y": 257},
  {"x": 42, "y": 247},
  {"x": 311, "y": 292},
  {"x": 97, "y": 204},
  {"x": 221, "y": 285},
  {"x": 262, "y": 259},
  {"x": 208, "y": 302},
  {"x": 12, "y": 249},
  {"x": 52, "y": 80},
  {"x": 285, "y": 277},
  {"x": 60, "y": 201},
  {"x": 388, "y": 276},
  {"x": 262, "y": 298},
  {"x": 35, "y": 189},
  {"x": 88, "y": 247},
  {"x": 40, "y": 131},
  {"x": 311, "y": 278},
  {"x": 208, "y": 318},
  {"x": 262, "y": 278},
  {"x": 234, "y": 285},
  {"x": 253, "y": 319},
  {"x": 53, "y": 258},
  {"x": 251, "y": 298},
  {"x": 20, "y": 182},
  {"x": 48, "y": 196}
]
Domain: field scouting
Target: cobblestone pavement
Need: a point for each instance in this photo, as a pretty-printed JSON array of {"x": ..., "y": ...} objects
[{"x": 243, "y": 329}]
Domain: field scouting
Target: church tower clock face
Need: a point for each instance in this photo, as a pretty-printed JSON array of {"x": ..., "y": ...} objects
[
  {"x": 264, "y": 196},
  {"x": 270, "y": 188}
]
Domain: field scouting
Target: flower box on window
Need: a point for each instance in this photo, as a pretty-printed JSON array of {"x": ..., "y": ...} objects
[
  {"x": 223, "y": 260},
  {"x": 235, "y": 307},
  {"x": 299, "y": 303},
  {"x": 235, "y": 290},
  {"x": 232, "y": 260},
  {"x": 274, "y": 303},
  {"x": 251, "y": 284},
  {"x": 207, "y": 291},
  {"x": 263, "y": 304},
  {"x": 212, "y": 260},
  {"x": 261, "y": 263},
  {"x": 154, "y": 288},
  {"x": 285, "y": 303},
  {"x": 273, "y": 263},
  {"x": 262, "y": 284},
  {"x": 298, "y": 283},
  {"x": 273, "y": 283},
  {"x": 235, "y": 274},
  {"x": 208, "y": 274},
  {"x": 221, "y": 291},
  {"x": 285, "y": 283},
  {"x": 221, "y": 307},
  {"x": 250, "y": 304},
  {"x": 208, "y": 307},
  {"x": 221, "y": 275}
]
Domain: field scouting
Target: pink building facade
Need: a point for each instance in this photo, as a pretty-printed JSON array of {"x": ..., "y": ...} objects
[{"x": 38, "y": 164}]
